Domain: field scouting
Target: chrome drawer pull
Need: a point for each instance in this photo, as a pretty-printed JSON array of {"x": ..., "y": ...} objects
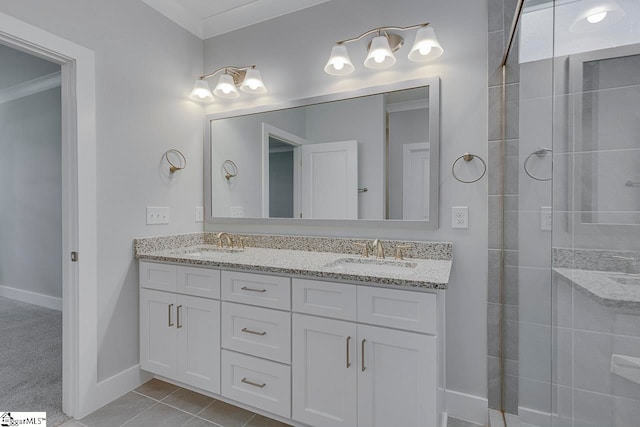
[
  {"x": 249, "y": 331},
  {"x": 178, "y": 310},
  {"x": 363, "y": 367},
  {"x": 244, "y": 288},
  {"x": 169, "y": 309},
  {"x": 348, "y": 358},
  {"x": 246, "y": 381}
]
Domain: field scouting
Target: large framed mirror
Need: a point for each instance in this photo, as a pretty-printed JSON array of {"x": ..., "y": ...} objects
[{"x": 364, "y": 156}]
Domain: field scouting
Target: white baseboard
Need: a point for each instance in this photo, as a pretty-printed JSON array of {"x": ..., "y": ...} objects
[
  {"x": 113, "y": 387},
  {"x": 533, "y": 417},
  {"x": 467, "y": 407},
  {"x": 31, "y": 298}
]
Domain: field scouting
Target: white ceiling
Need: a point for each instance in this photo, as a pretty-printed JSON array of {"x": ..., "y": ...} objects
[{"x": 208, "y": 18}]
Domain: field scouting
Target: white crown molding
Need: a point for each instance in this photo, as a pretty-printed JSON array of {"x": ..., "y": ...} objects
[
  {"x": 30, "y": 87},
  {"x": 178, "y": 14},
  {"x": 242, "y": 16}
]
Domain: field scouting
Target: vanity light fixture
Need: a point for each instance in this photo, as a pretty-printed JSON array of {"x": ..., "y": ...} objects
[
  {"x": 247, "y": 78},
  {"x": 595, "y": 14},
  {"x": 425, "y": 47}
]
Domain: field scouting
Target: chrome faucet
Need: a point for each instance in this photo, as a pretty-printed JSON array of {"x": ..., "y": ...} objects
[
  {"x": 225, "y": 236},
  {"x": 377, "y": 246}
]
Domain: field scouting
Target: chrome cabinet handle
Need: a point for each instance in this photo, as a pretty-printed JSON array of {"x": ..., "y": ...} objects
[
  {"x": 178, "y": 310},
  {"x": 169, "y": 307},
  {"x": 249, "y": 331},
  {"x": 246, "y": 381},
  {"x": 348, "y": 358},
  {"x": 244, "y": 288},
  {"x": 363, "y": 367}
]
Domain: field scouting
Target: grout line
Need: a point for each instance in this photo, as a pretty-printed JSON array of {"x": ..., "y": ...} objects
[
  {"x": 249, "y": 420},
  {"x": 140, "y": 413}
]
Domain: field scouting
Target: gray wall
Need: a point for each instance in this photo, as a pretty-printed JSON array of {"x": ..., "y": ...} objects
[
  {"x": 145, "y": 68},
  {"x": 291, "y": 52},
  {"x": 31, "y": 213}
]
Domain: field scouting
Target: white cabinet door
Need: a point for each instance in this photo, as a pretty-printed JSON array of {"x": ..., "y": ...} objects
[
  {"x": 202, "y": 282},
  {"x": 324, "y": 372},
  {"x": 158, "y": 334},
  {"x": 198, "y": 325},
  {"x": 397, "y": 378}
]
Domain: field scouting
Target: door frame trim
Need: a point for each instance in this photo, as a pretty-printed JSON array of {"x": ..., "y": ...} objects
[{"x": 79, "y": 207}]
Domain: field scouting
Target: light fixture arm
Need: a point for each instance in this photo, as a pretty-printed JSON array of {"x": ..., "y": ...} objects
[
  {"x": 380, "y": 29},
  {"x": 228, "y": 70}
]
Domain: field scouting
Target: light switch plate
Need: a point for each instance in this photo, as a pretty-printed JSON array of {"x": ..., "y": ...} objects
[
  {"x": 157, "y": 215},
  {"x": 237, "y": 212},
  {"x": 546, "y": 218},
  {"x": 199, "y": 214},
  {"x": 459, "y": 217}
]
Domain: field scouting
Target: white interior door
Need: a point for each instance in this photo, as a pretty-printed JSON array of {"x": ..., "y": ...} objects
[
  {"x": 415, "y": 181},
  {"x": 330, "y": 180}
]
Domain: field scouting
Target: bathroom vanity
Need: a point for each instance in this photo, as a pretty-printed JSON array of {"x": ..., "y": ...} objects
[{"x": 310, "y": 337}]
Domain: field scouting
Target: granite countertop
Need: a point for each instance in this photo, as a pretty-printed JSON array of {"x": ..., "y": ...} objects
[
  {"x": 424, "y": 274},
  {"x": 610, "y": 288}
]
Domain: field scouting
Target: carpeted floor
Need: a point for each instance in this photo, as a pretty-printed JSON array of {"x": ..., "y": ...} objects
[{"x": 31, "y": 360}]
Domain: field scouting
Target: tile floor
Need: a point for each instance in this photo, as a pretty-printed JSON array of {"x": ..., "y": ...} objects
[{"x": 160, "y": 404}]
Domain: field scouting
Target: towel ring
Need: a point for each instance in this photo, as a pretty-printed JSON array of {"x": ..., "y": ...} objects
[
  {"x": 230, "y": 169},
  {"x": 173, "y": 168},
  {"x": 541, "y": 152},
  {"x": 467, "y": 158}
]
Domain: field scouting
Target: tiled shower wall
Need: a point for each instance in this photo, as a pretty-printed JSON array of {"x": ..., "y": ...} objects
[{"x": 502, "y": 302}]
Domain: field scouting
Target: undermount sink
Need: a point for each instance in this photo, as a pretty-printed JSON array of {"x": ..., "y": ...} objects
[
  {"x": 626, "y": 279},
  {"x": 365, "y": 265}
]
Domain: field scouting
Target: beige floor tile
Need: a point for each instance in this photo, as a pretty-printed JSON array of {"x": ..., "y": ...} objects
[
  {"x": 187, "y": 400},
  {"x": 156, "y": 389},
  {"x": 160, "y": 416},
  {"x": 119, "y": 411},
  {"x": 260, "y": 421},
  {"x": 71, "y": 423},
  {"x": 225, "y": 414}
]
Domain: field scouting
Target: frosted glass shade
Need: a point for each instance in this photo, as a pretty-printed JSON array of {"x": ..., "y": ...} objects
[
  {"x": 380, "y": 55},
  {"x": 252, "y": 82},
  {"x": 426, "y": 47},
  {"x": 339, "y": 62},
  {"x": 226, "y": 87},
  {"x": 201, "y": 92}
]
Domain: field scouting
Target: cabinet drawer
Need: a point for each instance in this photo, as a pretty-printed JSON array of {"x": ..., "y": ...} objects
[
  {"x": 257, "y": 289},
  {"x": 336, "y": 300},
  {"x": 257, "y": 382},
  {"x": 413, "y": 311},
  {"x": 202, "y": 282},
  {"x": 158, "y": 276},
  {"x": 257, "y": 331}
]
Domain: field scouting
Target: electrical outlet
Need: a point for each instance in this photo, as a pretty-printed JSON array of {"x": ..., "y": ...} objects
[
  {"x": 199, "y": 214},
  {"x": 237, "y": 212},
  {"x": 157, "y": 215},
  {"x": 546, "y": 218},
  {"x": 459, "y": 217}
]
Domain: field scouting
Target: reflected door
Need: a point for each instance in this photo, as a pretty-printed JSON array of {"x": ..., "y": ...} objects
[{"x": 330, "y": 180}]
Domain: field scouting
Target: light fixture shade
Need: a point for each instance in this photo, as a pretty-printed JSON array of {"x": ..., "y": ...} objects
[
  {"x": 201, "y": 92},
  {"x": 252, "y": 82},
  {"x": 596, "y": 15},
  {"x": 339, "y": 62},
  {"x": 426, "y": 47},
  {"x": 380, "y": 55},
  {"x": 226, "y": 87}
]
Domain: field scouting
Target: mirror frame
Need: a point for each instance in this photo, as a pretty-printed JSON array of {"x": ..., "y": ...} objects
[{"x": 434, "y": 173}]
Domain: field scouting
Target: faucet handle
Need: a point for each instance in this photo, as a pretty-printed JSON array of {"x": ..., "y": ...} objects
[
  {"x": 365, "y": 248},
  {"x": 242, "y": 240},
  {"x": 399, "y": 249}
]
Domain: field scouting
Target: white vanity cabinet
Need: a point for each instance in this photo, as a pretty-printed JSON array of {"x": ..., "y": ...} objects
[
  {"x": 350, "y": 374},
  {"x": 315, "y": 353},
  {"x": 180, "y": 334}
]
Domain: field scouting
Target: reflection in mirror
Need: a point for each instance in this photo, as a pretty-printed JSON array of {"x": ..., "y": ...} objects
[{"x": 368, "y": 157}]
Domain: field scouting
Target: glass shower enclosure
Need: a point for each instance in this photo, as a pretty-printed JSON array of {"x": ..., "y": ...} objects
[{"x": 570, "y": 296}]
